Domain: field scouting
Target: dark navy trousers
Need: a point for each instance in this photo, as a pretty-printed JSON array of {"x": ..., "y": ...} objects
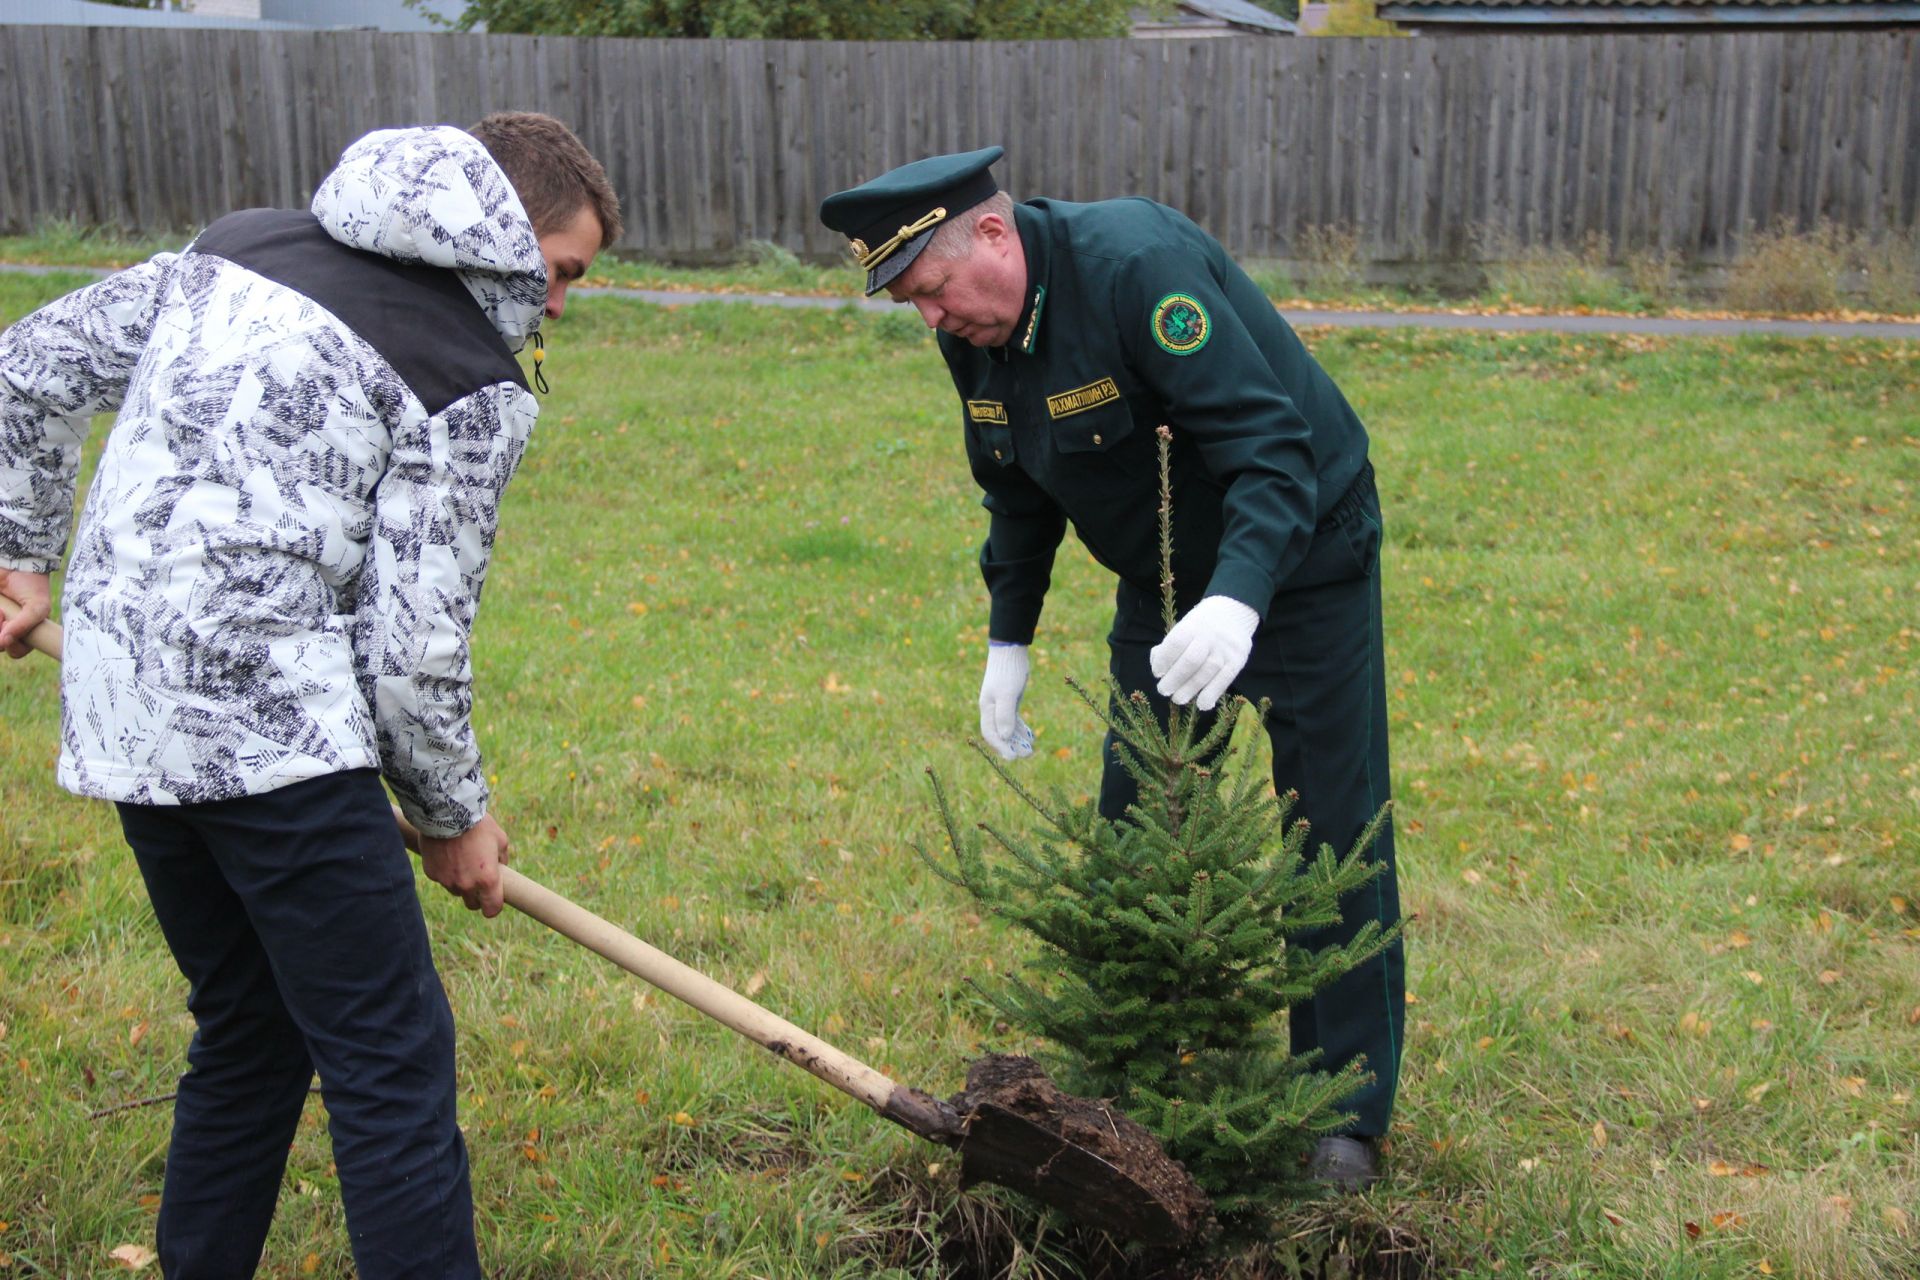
[
  {"x": 1318, "y": 657},
  {"x": 293, "y": 916}
]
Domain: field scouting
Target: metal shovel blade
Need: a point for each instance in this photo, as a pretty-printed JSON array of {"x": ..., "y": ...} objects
[{"x": 1013, "y": 1151}]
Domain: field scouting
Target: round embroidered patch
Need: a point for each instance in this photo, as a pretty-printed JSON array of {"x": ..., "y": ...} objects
[{"x": 1180, "y": 324}]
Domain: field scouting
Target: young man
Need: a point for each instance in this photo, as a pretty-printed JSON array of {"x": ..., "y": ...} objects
[
  {"x": 268, "y": 610},
  {"x": 1071, "y": 332}
]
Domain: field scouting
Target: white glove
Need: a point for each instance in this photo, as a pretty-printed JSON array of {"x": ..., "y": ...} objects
[
  {"x": 1205, "y": 651},
  {"x": 1000, "y": 722}
]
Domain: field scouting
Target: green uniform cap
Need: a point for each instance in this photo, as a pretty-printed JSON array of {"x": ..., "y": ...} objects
[{"x": 889, "y": 219}]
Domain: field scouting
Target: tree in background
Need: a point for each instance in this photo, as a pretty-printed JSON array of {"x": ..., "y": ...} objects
[
  {"x": 1356, "y": 18},
  {"x": 802, "y": 19}
]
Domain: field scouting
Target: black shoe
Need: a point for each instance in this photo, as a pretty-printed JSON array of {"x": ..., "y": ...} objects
[{"x": 1345, "y": 1164}]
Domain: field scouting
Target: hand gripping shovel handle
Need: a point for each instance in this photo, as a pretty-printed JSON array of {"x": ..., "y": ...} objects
[
  {"x": 45, "y": 637},
  {"x": 906, "y": 1107}
]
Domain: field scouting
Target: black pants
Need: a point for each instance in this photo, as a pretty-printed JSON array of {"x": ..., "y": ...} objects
[
  {"x": 294, "y": 918},
  {"x": 1318, "y": 658}
]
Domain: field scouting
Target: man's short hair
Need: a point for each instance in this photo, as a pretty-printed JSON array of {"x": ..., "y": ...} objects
[
  {"x": 553, "y": 172},
  {"x": 954, "y": 238}
]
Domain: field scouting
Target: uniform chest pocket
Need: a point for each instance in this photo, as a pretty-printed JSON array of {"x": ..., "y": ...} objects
[
  {"x": 1096, "y": 428},
  {"x": 993, "y": 440}
]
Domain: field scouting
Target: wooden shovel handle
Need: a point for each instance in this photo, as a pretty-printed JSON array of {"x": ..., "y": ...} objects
[
  {"x": 684, "y": 983},
  {"x": 908, "y": 1107}
]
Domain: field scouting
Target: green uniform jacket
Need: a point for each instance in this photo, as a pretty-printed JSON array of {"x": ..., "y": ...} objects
[{"x": 1136, "y": 317}]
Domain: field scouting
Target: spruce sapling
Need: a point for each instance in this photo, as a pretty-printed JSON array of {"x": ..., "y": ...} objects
[{"x": 1164, "y": 968}]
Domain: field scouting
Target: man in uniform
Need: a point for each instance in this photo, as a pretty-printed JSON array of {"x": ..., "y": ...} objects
[{"x": 1072, "y": 331}]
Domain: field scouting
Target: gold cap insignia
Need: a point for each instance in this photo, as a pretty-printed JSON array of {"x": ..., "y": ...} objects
[
  {"x": 857, "y": 247},
  {"x": 871, "y": 258}
]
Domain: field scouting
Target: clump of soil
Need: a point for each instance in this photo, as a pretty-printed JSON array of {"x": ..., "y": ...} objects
[{"x": 1017, "y": 1084}]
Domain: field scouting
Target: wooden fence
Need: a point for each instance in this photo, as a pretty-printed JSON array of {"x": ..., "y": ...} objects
[{"x": 1423, "y": 147}]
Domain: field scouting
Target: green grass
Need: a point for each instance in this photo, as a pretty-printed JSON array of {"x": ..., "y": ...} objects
[
  {"x": 1651, "y": 649},
  {"x": 1783, "y": 274}
]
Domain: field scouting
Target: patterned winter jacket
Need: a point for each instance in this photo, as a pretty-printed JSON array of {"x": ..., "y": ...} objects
[{"x": 277, "y": 570}]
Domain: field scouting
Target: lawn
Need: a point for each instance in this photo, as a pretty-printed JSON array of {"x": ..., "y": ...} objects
[
  {"x": 1822, "y": 272},
  {"x": 1652, "y": 648}
]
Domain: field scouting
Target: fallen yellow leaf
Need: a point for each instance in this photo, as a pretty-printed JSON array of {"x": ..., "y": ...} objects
[
  {"x": 133, "y": 1256},
  {"x": 755, "y": 983},
  {"x": 1600, "y": 1136},
  {"x": 1740, "y": 842},
  {"x": 682, "y": 1119}
]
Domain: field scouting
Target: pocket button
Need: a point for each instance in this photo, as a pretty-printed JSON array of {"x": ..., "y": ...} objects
[{"x": 1096, "y": 438}]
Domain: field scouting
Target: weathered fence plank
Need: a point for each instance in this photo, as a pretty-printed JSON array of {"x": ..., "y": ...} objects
[{"x": 1425, "y": 149}]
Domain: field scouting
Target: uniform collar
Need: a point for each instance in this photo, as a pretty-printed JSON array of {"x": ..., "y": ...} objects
[{"x": 1031, "y": 223}]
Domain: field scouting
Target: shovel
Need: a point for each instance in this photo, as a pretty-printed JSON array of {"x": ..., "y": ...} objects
[{"x": 1000, "y": 1126}]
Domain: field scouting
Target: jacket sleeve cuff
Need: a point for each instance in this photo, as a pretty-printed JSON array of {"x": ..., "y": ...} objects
[
  {"x": 447, "y": 816},
  {"x": 1249, "y": 584},
  {"x": 1013, "y": 621},
  {"x": 29, "y": 564}
]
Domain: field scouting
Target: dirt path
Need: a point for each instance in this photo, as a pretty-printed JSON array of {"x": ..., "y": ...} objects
[{"x": 1651, "y": 325}]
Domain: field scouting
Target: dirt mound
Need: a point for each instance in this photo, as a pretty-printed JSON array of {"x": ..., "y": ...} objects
[{"x": 1017, "y": 1085}]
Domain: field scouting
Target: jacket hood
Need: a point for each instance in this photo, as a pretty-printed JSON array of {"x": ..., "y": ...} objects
[{"x": 433, "y": 196}]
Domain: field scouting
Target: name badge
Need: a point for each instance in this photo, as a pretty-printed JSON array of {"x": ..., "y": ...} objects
[
  {"x": 1081, "y": 399},
  {"x": 987, "y": 411}
]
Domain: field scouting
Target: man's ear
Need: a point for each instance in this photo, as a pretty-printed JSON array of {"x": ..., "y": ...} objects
[{"x": 992, "y": 231}]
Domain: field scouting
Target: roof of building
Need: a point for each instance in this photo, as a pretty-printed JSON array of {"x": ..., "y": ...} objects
[
  {"x": 1241, "y": 13},
  {"x": 84, "y": 13},
  {"x": 275, "y": 15},
  {"x": 1732, "y": 14},
  {"x": 1647, "y": 4}
]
